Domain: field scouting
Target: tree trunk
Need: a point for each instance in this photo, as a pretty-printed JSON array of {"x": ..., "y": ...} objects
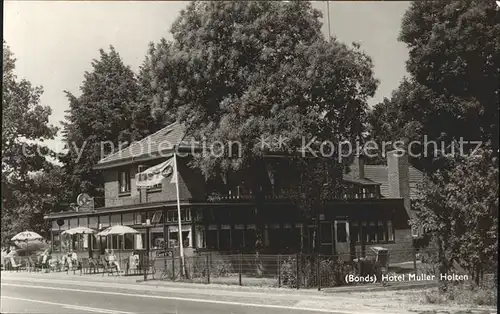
[{"x": 443, "y": 263}]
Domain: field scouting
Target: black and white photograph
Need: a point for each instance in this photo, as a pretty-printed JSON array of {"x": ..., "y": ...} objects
[{"x": 241, "y": 157}]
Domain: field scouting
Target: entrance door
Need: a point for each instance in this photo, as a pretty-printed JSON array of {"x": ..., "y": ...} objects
[
  {"x": 326, "y": 237},
  {"x": 342, "y": 244}
]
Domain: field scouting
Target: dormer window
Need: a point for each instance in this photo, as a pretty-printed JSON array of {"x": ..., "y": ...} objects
[{"x": 124, "y": 181}]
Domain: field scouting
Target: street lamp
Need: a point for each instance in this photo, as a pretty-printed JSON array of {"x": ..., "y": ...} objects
[{"x": 145, "y": 259}]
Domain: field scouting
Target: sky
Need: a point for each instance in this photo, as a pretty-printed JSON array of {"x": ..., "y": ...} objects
[{"x": 54, "y": 42}]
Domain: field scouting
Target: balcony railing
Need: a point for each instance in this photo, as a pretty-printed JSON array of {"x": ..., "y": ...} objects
[
  {"x": 341, "y": 194},
  {"x": 352, "y": 193}
]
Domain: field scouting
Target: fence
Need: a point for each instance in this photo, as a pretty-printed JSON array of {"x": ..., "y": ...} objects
[{"x": 293, "y": 270}]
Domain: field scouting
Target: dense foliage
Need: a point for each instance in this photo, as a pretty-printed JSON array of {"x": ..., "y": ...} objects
[
  {"x": 241, "y": 71},
  {"x": 106, "y": 114},
  {"x": 459, "y": 207},
  {"x": 30, "y": 184},
  {"x": 452, "y": 90}
]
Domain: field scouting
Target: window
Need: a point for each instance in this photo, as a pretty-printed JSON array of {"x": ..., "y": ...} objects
[
  {"x": 211, "y": 239},
  {"x": 129, "y": 241},
  {"x": 140, "y": 241},
  {"x": 115, "y": 242},
  {"x": 94, "y": 247},
  {"x": 104, "y": 221},
  {"x": 124, "y": 181},
  {"x": 354, "y": 231},
  {"x": 200, "y": 239},
  {"x": 156, "y": 187},
  {"x": 140, "y": 218},
  {"x": 372, "y": 232},
  {"x": 73, "y": 223},
  {"x": 381, "y": 231},
  {"x": 93, "y": 222},
  {"x": 157, "y": 217},
  {"x": 250, "y": 238},
  {"x": 326, "y": 233},
  {"x": 116, "y": 219},
  {"x": 341, "y": 232},
  {"x": 186, "y": 215},
  {"x": 157, "y": 240},
  {"x": 128, "y": 219},
  {"x": 390, "y": 231},
  {"x": 172, "y": 216},
  {"x": 85, "y": 241},
  {"x": 83, "y": 222}
]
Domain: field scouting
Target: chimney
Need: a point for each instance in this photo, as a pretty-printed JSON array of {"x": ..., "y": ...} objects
[
  {"x": 358, "y": 167},
  {"x": 398, "y": 176},
  {"x": 361, "y": 166}
]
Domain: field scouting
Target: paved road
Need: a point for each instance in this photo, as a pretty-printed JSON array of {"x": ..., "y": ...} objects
[{"x": 23, "y": 296}]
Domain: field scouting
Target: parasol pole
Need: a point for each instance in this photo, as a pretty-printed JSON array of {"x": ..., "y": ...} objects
[{"x": 181, "y": 244}]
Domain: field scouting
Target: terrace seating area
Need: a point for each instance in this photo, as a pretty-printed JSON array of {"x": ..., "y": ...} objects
[{"x": 132, "y": 265}]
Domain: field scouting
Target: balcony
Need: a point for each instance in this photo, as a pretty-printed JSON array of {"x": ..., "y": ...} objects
[{"x": 351, "y": 193}]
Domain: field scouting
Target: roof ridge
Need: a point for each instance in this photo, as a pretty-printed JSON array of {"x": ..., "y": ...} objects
[{"x": 140, "y": 141}]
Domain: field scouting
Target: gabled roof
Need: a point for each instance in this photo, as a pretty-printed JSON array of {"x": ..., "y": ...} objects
[
  {"x": 380, "y": 174},
  {"x": 349, "y": 178},
  {"x": 154, "y": 146}
]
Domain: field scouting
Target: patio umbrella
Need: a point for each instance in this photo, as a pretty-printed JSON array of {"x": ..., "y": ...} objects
[
  {"x": 117, "y": 230},
  {"x": 79, "y": 230},
  {"x": 26, "y": 236}
]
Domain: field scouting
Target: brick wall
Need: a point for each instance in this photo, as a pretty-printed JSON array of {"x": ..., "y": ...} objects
[{"x": 191, "y": 186}]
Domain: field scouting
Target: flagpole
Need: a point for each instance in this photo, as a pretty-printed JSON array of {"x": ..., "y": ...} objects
[
  {"x": 181, "y": 244},
  {"x": 328, "y": 17}
]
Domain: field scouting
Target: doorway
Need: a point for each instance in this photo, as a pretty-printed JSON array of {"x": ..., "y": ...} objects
[{"x": 342, "y": 241}]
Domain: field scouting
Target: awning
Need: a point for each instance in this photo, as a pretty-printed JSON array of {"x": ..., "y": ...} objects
[{"x": 155, "y": 175}]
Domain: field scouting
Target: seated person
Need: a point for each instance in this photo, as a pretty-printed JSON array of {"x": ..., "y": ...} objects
[
  {"x": 11, "y": 255},
  {"x": 46, "y": 257},
  {"x": 112, "y": 260},
  {"x": 133, "y": 261}
]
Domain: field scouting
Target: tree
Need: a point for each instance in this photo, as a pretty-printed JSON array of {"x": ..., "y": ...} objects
[
  {"x": 260, "y": 74},
  {"x": 459, "y": 207},
  {"x": 239, "y": 71},
  {"x": 452, "y": 91},
  {"x": 24, "y": 126},
  {"x": 106, "y": 114}
]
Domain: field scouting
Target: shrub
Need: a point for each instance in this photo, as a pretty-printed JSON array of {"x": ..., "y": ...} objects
[
  {"x": 463, "y": 294},
  {"x": 331, "y": 271},
  {"x": 219, "y": 267}
]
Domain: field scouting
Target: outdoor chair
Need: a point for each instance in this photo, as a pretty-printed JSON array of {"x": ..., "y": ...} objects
[
  {"x": 72, "y": 265},
  {"x": 86, "y": 266},
  {"x": 45, "y": 263},
  {"x": 15, "y": 263},
  {"x": 94, "y": 265},
  {"x": 30, "y": 265},
  {"x": 54, "y": 265},
  {"x": 34, "y": 265},
  {"x": 108, "y": 267},
  {"x": 147, "y": 264},
  {"x": 99, "y": 263}
]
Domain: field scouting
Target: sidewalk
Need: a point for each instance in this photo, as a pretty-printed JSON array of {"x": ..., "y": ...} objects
[
  {"x": 139, "y": 279},
  {"x": 353, "y": 299}
]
